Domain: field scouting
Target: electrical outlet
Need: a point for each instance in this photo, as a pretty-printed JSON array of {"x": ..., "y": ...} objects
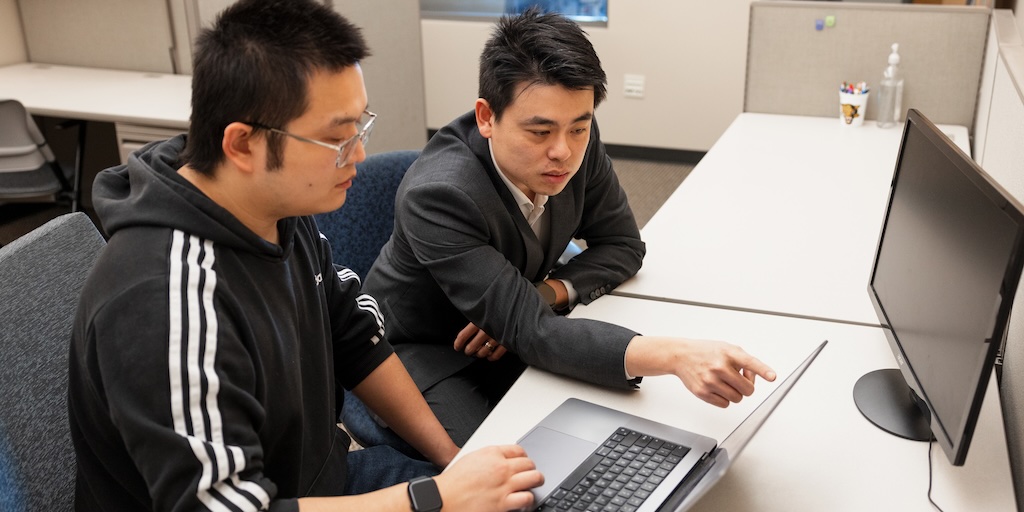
[{"x": 634, "y": 86}]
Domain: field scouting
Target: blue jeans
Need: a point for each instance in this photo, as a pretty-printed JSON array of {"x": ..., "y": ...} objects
[
  {"x": 460, "y": 402},
  {"x": 364, "y": 429},
  {"x": 11, "y": 487},
  {"x": 378, "y": 467}
]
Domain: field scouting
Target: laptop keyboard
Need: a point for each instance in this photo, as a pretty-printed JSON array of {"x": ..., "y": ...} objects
[{"x": 618, "y": 476}]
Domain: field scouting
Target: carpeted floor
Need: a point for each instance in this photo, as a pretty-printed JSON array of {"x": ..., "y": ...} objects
[
  {"x": 16, "y": 219},
  {"x": 647, "y": 185}
]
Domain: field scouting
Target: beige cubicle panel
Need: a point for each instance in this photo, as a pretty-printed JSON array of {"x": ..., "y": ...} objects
[
  {"x": 1000, "y": 151},
  {"x": 12, "y": 41},
  {"x": 130, "y": 35},
  {"x": 91, "y": 34},
  {"x": 393, "y": 73},
  {"x": 794, "y": 68}
]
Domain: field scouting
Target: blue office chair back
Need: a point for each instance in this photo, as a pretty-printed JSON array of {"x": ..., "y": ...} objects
[
  {"x": 359, "y": 229},
  {"x": 10, "y": 491},
  {"x": 41, "y": 278}
]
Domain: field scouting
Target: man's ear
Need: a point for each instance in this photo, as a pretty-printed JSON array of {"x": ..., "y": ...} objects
[
  {"x": 239, "y": 146},
  {"x": 485, "y": 118}
]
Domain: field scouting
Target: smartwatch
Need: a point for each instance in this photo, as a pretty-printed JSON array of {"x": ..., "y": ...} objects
[
  {"x": 423, "y": 495},
  {"x": 547, "y": 293}
]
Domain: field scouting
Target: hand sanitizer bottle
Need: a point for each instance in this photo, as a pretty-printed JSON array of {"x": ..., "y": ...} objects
[{"x": 890, "y": 94}]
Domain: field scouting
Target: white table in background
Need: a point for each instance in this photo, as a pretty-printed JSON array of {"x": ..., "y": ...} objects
[
  {"x": 151, "y": 99},
  {"x": 782, "y": 215},
  {"x": 816, "y": 452},
  {"x": 143, "y": 106}
]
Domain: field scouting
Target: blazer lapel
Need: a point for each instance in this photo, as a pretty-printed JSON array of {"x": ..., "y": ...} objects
[
  {"x": 534, "y": 251},
  {"x": 562, "y": 212},
  {"x": 535, "y": 254}
]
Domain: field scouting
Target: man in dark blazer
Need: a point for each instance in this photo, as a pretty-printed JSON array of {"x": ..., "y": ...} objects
[{"x": 468, "y": 281}]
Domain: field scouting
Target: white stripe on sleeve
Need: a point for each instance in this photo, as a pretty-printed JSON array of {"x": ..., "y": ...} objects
[
  {"x": 192, "y": 352},
  {"x": 369, "y": 304}
]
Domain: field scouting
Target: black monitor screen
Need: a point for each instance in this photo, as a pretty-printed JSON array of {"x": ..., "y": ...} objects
[{"x": 946, "y": 269}]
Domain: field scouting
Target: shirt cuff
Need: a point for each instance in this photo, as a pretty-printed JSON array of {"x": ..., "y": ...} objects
[
  {"x": 573, "y": 296},
  {"x": 633, "y": 381}
]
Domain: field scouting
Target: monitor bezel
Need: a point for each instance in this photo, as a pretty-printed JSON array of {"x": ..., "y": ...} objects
[{"x": 955, "y": 449}]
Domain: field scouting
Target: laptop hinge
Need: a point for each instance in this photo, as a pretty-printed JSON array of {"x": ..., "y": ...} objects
[{"x": 690, "y": 481}]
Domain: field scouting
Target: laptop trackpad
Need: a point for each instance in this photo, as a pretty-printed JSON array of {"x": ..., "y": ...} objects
[{"x": 556, "y": 455}]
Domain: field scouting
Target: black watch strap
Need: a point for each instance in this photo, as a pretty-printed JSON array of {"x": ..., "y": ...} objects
[{"x": 423, "y": 495}]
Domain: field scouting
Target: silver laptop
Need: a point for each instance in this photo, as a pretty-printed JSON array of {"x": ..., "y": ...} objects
[{"x": 599, "y": 459}]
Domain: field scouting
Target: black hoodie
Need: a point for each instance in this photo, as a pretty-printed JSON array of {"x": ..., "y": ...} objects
[{"x": 204, "y": 359}]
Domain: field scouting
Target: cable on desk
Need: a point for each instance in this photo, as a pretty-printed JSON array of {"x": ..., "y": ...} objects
[{"x": 936, "y": 505}]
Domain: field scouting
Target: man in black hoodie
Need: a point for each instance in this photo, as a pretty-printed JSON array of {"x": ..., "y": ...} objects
[{"x": 212, "y": 332}]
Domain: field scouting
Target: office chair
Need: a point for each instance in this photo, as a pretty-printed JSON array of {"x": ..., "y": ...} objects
[
  {"x": 28, "y": 168},
  {"x": 359, "y": 229},
  {"x": 42, "y": 274}
]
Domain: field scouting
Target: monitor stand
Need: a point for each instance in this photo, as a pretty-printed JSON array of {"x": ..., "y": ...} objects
[{"x": 885, "y": 399}]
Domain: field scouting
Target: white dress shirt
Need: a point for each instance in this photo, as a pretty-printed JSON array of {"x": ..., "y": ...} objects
[{"x": 534, "y": 213}]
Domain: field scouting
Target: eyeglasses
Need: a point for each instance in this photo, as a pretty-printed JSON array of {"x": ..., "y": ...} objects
[{"x": 344, "y": 149}]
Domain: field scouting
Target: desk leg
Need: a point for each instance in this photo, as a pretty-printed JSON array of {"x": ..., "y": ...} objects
[{"x": 76, "y": 192}]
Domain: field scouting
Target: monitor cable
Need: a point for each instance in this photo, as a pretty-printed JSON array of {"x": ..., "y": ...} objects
[{"x": 936, "y": 505}]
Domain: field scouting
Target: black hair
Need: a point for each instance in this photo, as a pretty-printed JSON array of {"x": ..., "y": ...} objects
[
  {"x": 254, "y": 65},
  {"x": 535, "y": 47}
]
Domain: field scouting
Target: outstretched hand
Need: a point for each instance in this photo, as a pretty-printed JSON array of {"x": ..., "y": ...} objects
[
  {"x": 716, "y": 372},
  {"x": 720, "y": 373},
  {"x": 495, "y": 478}
]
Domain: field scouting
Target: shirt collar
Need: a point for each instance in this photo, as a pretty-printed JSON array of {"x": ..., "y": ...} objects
[{"x": 525, "y": 205}]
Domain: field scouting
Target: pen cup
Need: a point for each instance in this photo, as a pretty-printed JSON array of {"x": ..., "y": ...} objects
[{"x": 852, "y": 108}]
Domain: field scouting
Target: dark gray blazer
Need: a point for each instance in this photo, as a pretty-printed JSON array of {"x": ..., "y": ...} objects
[{"x": 462, "y": 252}]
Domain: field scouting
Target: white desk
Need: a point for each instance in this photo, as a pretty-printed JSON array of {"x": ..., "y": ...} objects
[
  {"x": 816, "y": 452},
  {"x": 142, "y": 106},
  {"x": 151, "y": 99},
  {"x": 782, "y": 215}
]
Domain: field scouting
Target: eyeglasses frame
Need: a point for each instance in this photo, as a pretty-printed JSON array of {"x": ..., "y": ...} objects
[{"x": 363, "y": 136}]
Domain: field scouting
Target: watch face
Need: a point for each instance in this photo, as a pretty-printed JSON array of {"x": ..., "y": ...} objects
[
  {"x": 547, "y": 292},
  {"x": 424, "y": 495}
]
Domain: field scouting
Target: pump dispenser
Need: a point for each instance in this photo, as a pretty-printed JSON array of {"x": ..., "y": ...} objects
[{"x": 890, "y": 94}]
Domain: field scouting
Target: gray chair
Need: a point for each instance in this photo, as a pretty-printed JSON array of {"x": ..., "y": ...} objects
[
  {"x": 29, "y": 171},
  {"x": 41, "y": 277}
]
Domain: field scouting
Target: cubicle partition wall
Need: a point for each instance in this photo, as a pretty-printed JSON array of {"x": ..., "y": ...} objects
[
  {"x": 793, "y": 67},
  {"x": 79, "y": 68},
  {"x": 999, "y": 149},
  {"x": 92, "y": 33},
  {"x": 962, "y": 66},
  {"x": 393, "y": 72}
]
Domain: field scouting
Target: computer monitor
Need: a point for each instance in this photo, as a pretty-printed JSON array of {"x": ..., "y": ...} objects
[{"x": 946, "y": 269}]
